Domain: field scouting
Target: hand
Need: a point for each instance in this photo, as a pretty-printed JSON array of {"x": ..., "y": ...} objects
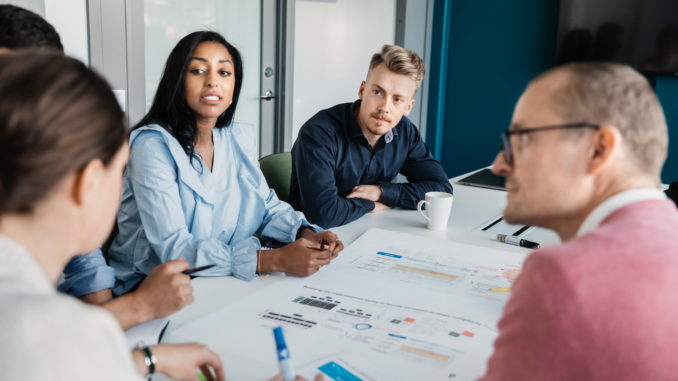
[
  {"x": 329, "y": 239},
  {"x": 166, "y": 290},
  {"x": 367, "y": 192},
  {"x": 182, "y": 361},
  {"x": 318, "y": 377},
  {"x": 379, "y": 207},
  {"x": 302, "y": 257}
]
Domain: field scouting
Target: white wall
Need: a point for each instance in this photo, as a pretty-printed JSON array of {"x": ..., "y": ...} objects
[
  {"x": 333, "y": 44},
  {"x": 69, "y": 18},
  {"x": 37, "y": 6}
]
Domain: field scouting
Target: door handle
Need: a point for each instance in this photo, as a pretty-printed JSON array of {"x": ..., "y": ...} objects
[{"x": 268, "y": 95}]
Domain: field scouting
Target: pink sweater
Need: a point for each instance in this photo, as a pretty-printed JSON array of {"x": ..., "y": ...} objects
[{"x": 603, "y": 306}]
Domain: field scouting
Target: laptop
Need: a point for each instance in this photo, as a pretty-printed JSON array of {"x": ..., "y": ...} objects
[{"x": 484, "y": 179}]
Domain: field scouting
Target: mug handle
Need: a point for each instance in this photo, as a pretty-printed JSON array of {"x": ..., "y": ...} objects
[{"x": 419, "y": 205}]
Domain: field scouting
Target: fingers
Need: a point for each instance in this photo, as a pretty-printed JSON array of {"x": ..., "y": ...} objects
[
  {"x": 185, "y": 294},
  {"x": 279, "y": 378},
  {"x": 176, "y": 265},
  {"x": 211, "y": 360},
  {"x": 320, "y": 262},
  {"x": 329, "y": 236},
  {"x": 339, "y": 247},
  {"x": 305, "y": 256},
  {"x": 319, "y": 377},
  {"x": 367, "y": 192},
  {"x": 320, "y": 255},
  {"x": 310, "y": 244},
  {"x": 334, "y": 244},
  {"x": 207, "y": 373},
  {"x": 356, "y": 192}
]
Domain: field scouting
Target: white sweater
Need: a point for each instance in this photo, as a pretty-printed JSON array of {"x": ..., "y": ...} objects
[{"x": 48, "y": 336}]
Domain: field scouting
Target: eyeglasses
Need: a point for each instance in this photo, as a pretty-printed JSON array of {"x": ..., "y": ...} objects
[{"x": 506, "y": 135}]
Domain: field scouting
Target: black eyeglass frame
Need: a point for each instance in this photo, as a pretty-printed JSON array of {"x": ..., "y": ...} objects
[{"x": 506, "y": 135}]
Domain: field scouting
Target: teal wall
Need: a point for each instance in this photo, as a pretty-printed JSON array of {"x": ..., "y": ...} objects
[
  {"x": 491, "y": 50},
  {"x": 667, "y": 91}
]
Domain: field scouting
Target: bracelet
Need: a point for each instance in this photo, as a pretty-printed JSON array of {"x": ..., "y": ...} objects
[{"x": 150, "y": 360}]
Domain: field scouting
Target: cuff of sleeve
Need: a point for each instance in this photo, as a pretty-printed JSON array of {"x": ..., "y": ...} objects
[
  {"x": 244, "y": 258},
  {"x": 86, "y": 274},
  {"x": 367, "y": 205},
  {"x": 390, "y": 193}
]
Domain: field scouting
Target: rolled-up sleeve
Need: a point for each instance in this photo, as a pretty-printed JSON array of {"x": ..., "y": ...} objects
[{"x": 86, "y": 274}]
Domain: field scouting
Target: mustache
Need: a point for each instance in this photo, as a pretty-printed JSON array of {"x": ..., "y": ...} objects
[{"x": 381, "y": 115}]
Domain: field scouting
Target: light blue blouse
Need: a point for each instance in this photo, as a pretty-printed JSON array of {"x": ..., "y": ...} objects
[{"x": 172, "y": 207}]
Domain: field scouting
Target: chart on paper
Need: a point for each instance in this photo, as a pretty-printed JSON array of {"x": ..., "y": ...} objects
[
  {"x": 392, "y": 306},
  {"x": 427, "y": 272}
]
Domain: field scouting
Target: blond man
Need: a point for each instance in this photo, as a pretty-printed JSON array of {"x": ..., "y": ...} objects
[{"x": 345, "y": 157}]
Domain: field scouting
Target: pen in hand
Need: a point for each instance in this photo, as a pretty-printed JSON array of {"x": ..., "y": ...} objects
[
  {"x": 511, "y": 240},
  {"x": 323, "y": 246},
  {"x": 196, "y": 269}
]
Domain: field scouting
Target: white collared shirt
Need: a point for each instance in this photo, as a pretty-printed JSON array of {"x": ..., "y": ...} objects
[{"x": 615, "y": 202}]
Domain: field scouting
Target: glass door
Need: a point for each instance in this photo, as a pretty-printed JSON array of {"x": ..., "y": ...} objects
[
  {"x": 131, "y": 40},
  {"x": 239, "y": 21}
]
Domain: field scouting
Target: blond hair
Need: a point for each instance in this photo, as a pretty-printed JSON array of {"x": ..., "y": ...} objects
[{"x": 400, "y": 61}]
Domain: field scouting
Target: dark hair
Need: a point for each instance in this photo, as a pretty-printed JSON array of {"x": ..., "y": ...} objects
[
  {"x": 170, "y": 109},
  {"x": 56, "y": 116},
  {"x": 21, "y": 28}
]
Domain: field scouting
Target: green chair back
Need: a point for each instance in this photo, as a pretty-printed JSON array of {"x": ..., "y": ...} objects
[{"x": 277, "y": 169}]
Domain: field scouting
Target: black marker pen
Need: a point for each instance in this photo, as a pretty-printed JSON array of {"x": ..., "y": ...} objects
[{"x": 511, "y": 240}]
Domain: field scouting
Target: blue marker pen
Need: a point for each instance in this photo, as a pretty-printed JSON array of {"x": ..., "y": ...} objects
[{"x": 286, "y": 366}]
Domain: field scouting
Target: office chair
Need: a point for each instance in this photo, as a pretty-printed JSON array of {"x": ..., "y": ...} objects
[{"x": 277, "y": 169}]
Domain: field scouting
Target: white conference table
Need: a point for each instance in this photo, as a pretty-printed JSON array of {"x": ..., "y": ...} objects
[{"x": 472, "y": 208}]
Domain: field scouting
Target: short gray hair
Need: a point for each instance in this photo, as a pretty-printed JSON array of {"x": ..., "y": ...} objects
[{"x": 615, "y": 94}]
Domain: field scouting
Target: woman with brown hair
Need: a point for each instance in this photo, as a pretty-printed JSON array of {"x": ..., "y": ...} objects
[{"x": 63, "y": 148}]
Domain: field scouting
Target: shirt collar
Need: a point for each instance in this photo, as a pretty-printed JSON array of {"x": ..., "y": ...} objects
[
  {"x": 615, "y": 202},
  {"x": 355, "y": 131}
]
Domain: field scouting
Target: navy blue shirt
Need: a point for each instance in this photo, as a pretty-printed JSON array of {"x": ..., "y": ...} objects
[{"x": 331, "y": 156}]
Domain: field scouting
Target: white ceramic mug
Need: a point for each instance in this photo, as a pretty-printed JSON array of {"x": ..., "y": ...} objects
[{"x": 438, "y": 207}]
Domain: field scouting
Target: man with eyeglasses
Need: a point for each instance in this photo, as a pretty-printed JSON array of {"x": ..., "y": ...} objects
[{"x": 583, "y": 157}]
